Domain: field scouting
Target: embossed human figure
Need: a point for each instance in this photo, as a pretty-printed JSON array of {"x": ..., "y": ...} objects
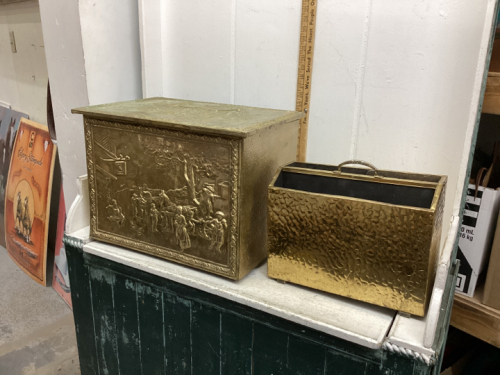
[
  {"x": 19, "y": 213},
  {"x": 153, "y": 214},
  {"x": 218, "y": 225},
  {"x": 115, "y": 212},
  {"x": 181, "y": 233},
  {"x": 164, "y": 201},
  {"x": 141, "y": 204},
  {"x": 135, "y": 209},
  {"x": 207, "y": 201},
  {"x": 188, "y": 214}
]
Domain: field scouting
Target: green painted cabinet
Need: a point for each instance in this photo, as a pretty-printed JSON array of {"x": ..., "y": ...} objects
[{"x": 132, "y": 322}]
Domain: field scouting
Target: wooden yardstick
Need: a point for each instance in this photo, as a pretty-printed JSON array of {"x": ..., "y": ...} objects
[{"x": 304, "y": 78}]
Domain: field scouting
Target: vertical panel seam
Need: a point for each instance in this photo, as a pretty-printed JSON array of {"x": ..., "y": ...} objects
[
  {"x": 143, "y": 48},
  {"x": 114, "y": 316},
  {"x": 93, "y": 320},
  {"x": 165, "y": 358},
  {"x": 162, "y": 31},
  {"x": 138, "y": 325},
  {"x": 191, "y": 334},
  {"x": 232, "y": 64},
  {"x": 324, "y": 364},
  {"x": 360, "y": 83},
  {"x": 287, "y": 352},
  {"x": 220, "y": 343},
  {"x": 252, "y": 355}
]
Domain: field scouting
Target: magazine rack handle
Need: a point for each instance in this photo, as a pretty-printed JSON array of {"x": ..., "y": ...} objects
[{"x": 359, "y": 162}]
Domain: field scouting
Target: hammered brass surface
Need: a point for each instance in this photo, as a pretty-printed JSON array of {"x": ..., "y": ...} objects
[
  {"x": 374, "y": 252},
  {"x": 180, "y": 194}
]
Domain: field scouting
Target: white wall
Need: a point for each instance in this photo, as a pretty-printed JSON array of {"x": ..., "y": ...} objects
[
  {"x": 110, "y": 36},
  {"x": 62, "y": 35},
  {"x": 394, "y": 83},
  {"x": 23, "y": 75},
  {"x": 93, "y": 57}
]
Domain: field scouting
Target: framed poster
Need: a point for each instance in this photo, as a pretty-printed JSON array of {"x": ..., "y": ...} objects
[
  {"x": 9, "y": 123},
  {"x": 27, "y": 199}
]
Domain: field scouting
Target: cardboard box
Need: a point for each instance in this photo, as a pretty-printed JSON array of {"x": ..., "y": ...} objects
[
  {"x": 492, "y": 287},
  {"x": 475, "y": 236}
]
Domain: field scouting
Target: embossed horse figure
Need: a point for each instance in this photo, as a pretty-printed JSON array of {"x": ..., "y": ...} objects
[{"x": 26, "y": 222}]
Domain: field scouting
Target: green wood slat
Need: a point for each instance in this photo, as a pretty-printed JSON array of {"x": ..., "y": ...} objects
[
  {"x": 150, "y": 309},
  {"x": 305, "y": 357},
  {"x": 198, "y": 296},
  {"x": 127, "y": 330},
  {"x": 177, "y": 318},
  {"x": 205, "y": 339},
  {"x": 101, "y": 282},
  {"x": 341, "y": 364},
  {"x": 270, "y": 345},
  {"x": 237, "y": 342},
  {"x": 82, "y": 310},
  {"x": 270, "y": 350}
]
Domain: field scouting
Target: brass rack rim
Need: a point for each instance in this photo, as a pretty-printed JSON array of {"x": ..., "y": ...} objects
[
  {"x": 429, "y": 210},
  {"x": 378, "y": 179}
]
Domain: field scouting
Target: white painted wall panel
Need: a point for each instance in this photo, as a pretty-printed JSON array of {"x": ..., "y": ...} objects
[
  {"x": 266, "y": 51},
  {"x": 93, "y": 57},
  {"x": 417, "y": 92},
  {"x": 339, "y": 48},
  {"x": 23, "y": 75},
  {"x": 110, "y": 37},
  {"x": 151, "y": 36},
  {"x": 62, "y": 35},
  {"x": 394, "y": 83},
  {"x": 197, "y": 49}
]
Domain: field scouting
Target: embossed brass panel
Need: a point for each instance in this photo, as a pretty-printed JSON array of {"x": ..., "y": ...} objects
[
  {"x": 371, "y": 238},
  {"x": 167, "y": 177}
]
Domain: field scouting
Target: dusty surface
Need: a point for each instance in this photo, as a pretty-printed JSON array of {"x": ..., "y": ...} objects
[{"x": 37, "y": 333}]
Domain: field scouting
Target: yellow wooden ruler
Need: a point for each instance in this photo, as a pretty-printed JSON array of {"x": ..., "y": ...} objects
[{"x": 304, "y": 78}]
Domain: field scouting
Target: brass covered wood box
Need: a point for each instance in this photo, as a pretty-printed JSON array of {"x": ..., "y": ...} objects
[
  {"x": 186, "y": 181},
  {"x": 371, "y": 235}
]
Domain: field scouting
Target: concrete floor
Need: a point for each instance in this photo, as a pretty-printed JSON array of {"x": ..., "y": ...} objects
[{"x": 37, "y": 332}]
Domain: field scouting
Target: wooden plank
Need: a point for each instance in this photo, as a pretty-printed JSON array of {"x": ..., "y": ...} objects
[
  {"x": 101, "y": 282},
  {"x": 270, "y": 359},
  {"x": 491, "y": 101},
  {"x": 82, "y": 310},
  {"x": 367, "y": 324},
  {"x": 127, "y": 326},
  {"x": 205, "y": 339},
  {"x": 305, "y": 357},
  {"x": 150, "y": 310},
  {"x": 478, "y": 320},
  {"x": 237, "y": 344},
  {"x": 341, "y": 364},
  {"x": 177, "y": 320}
]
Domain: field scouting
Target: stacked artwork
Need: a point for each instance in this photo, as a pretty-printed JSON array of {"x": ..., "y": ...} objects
[
  {"x": 27, "y": 199},
  {"x": 9, "y": 123}
]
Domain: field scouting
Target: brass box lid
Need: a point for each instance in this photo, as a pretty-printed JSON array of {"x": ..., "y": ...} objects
[{"x": 209, "y": 118}]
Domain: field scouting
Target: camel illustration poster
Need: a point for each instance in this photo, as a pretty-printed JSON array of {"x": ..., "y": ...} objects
[
  {"x": 9, "y": 123},
  {"x": 27, "y": 199}
]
